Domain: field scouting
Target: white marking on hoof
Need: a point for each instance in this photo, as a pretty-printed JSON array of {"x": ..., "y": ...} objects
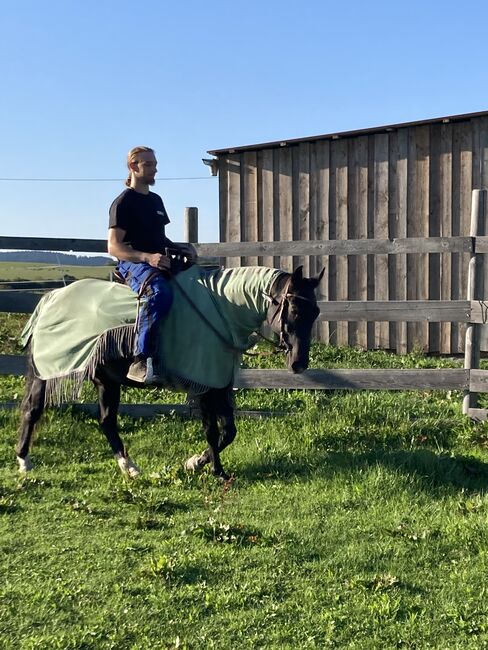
[
  {"x": 194, "y": 463},
  {"x": 25, "y": 464},
  {"x": 127, "y": 466}
]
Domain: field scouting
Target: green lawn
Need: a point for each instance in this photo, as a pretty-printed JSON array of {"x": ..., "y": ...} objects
[{"x": 357, "y": 520}]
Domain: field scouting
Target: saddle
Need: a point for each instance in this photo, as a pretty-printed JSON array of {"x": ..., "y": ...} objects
[{"x": 178, "y": 264}]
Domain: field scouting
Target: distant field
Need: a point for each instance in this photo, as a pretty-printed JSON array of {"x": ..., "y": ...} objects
[{"x": 17, "y": 271}]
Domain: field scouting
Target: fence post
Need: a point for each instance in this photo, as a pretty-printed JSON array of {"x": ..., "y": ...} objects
[
  {"x": 191, "y": 225},
  {"x": 475, "y": 292}
]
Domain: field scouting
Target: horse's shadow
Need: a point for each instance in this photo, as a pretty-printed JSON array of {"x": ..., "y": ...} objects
[{"x": 431, "y": 470}]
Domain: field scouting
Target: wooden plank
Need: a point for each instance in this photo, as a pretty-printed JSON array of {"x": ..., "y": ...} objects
[
  {"x": 478, "y": 381},
  {"x": 381, "y": 230},
  {"x": 322, "y": 223},
  {"x": 392, "y": 226},
  {"x": 285, "y": 203},
  {"x": 445, "y": 218},
  {"x": 478, "y": 415},
  {"x": 461, "y": 200},
  {"x": 481, "y": 245},
  {"x": 54, "y": 244},
  {"x": 249, "y": 205},
  {"x": 223, "y": 202},
  {"x": 302, "y": 215},
  {"x": 417, "y": 226},
  {"x": 338, "y": 217},
  {"x": 344, "y": 247},
  {"x": 358, "y": 229},
  {"x": 358, "y": 379},
  {"x": 152, "y": 410},
  {"x": 265, "y": 184},
  {"x": 462, "y": 311},
  {"x": 19, "y": 302},
  {"x": 434, "y": 231},
  {"x": 234, "y": 204}
]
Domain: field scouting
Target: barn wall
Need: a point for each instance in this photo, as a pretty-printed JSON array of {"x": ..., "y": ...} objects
[{"x": 414, "y": 181}]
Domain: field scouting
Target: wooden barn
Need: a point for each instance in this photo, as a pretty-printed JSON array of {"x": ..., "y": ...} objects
[{"x": 397, "y": 181}]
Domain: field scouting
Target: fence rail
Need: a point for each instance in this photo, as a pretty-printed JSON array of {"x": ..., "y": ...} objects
[{"x": 472, "y": 311}]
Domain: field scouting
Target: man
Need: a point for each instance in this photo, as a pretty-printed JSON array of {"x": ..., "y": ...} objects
[{"x": 136, "y": 237}]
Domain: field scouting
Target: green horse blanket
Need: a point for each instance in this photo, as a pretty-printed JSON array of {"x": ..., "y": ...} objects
[{"x": 93, "y": 321}]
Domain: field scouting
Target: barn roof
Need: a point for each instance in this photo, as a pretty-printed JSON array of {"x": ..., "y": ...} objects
[{"x": 347, "y": 134}]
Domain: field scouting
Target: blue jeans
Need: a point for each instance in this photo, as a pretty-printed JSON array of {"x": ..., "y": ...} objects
[{"x": 155, "y": 303}]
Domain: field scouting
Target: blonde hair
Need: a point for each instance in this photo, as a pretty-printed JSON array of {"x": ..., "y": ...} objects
[{"x": 132, "y": 157}]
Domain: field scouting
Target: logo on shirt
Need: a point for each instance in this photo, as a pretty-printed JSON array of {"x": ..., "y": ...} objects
[{"x": 160, "y": 212}]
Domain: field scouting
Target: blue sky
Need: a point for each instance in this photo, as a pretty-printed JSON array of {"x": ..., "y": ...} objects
[{"x": 83, "y": 82}]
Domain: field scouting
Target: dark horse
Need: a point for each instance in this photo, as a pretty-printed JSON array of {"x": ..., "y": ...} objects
[{"x": 290, "y": 310}]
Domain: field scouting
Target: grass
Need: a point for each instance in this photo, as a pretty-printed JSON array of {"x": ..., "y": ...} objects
[{"x": 359, "y": 520}]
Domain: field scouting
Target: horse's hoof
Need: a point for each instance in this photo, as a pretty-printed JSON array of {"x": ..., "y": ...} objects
[
  {"x": 194, "y": 463},
  {"x": 25, "y": 464},
  {"x": 127, "y": 466}
]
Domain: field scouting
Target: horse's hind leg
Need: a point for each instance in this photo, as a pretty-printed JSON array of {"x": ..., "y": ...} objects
[
  {"x": 109, "y": 400},
  {"x": 31, "y": 410}
]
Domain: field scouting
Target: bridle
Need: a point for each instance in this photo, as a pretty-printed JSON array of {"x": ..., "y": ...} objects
[{"x": 281, "y": 314}]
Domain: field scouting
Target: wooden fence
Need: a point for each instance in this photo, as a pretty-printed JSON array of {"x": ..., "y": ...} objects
[
  {"x": 473, "y": 312},
  {"x": 411, "y": 180}
]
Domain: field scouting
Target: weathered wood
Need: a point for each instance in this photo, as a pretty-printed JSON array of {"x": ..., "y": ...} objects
[
  {"x": 385, "y": 379},
  {"x": 394, "y": 246},
  {"x": 150, "y": 410},
  {"x": 461, "y": 311},
  {"x": 400, "y": 231},
  {"x": 233, "y": 204},
  {"x": 478, "y": 381},
  {"x": 19, "y": 302},
  {"x": 357, "y": 379},
  {"x": 412, "y": 311},
  {"x": 54, "y": 244},
  {"x": 478, "y": 415},
  {"x": 265, "y": 201},
  {"x": 358, "y": 229},
  {"x": 434, "y": 227},
  {"x": 417, "y": 226},
  {"x": 302, "y": 213},
  {"x": 381, "y": 231},
  {"x": 339, "y": 231},
  {"x": 322, "y": 223},
  {"x": 285, "y": 202},
  {"x": 190, "y": 225},
  {"x": 445, "y": 216},
  {"x": 475, "y": 290},
  {"x": 249, "y": 210}
]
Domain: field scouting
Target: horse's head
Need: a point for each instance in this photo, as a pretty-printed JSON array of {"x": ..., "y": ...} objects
[{"x": 291, "y": 314}]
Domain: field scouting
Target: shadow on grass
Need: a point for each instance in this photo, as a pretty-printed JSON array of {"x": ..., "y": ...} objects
[{"x": 430, "y": 469}]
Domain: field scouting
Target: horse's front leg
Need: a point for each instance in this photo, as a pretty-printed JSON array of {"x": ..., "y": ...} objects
[
  {"x": 109, "y": 400},
  {"x": 216, "y": 407}
]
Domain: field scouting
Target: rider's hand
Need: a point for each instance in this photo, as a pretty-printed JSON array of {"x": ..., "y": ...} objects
[
  {"x": 159, "y": 261},
  {"x": 189, "y": 252}
]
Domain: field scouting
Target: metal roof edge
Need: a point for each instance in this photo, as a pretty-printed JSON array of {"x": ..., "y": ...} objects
[{"x": 347, "y": 134}]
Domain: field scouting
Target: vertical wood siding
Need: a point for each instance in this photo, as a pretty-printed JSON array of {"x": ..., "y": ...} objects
[{"x": 414, "y": 181}]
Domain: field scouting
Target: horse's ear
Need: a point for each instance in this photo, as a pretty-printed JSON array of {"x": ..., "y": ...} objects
[
  {"x": 297, "y": 275},
  {"x": 316, "y": 281}
]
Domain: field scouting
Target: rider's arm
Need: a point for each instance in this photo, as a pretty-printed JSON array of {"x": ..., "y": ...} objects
[{"x": 123, "y": 251}]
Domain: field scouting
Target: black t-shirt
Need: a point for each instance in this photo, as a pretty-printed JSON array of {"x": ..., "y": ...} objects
[{"x": 143, "y": 217}]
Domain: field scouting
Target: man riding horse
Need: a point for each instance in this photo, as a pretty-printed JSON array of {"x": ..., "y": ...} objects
[{"x": 136, "y": 237}]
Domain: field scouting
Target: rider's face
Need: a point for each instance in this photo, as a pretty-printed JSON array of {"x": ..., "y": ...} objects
[{"x": 145, "y": 167}]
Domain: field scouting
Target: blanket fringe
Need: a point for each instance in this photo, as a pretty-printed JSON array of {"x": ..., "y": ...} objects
[{"x": 117, "y": 343}]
